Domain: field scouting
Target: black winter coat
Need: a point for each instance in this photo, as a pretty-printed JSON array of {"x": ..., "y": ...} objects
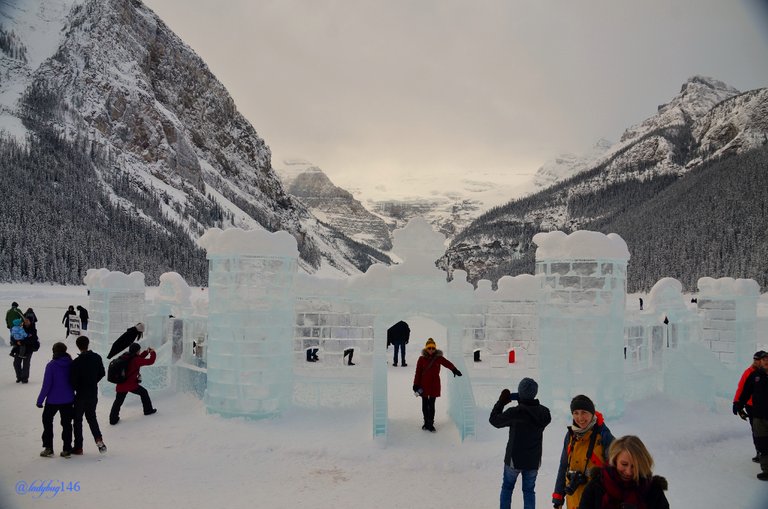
[
  {"x": 526, "y": 422},
  {"x": 84, "y": 375}
]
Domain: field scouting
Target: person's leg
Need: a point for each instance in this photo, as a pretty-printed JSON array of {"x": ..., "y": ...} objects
[
  {"x": 508, "y": 480},
  {"x": 146, "y": 402},
  {"x": 402, "y": 354},
  {"x": 114, "y": 414},
  {"x": 25, "y": 366},
  {"x": 17, "y": 367},
  {"x": 425, "y": 410},
  {"x": 65, "y": 413},
  {"x": 90, "y": 416},
  {"x": 761, "y": 441},
  {"x": 395, "y": 348},
  {"x": 78, "y": 410},
  {"x": 48, "y": 412},
  {"x": 529, "y": 488},
  {"x": 431, "y": 413}
]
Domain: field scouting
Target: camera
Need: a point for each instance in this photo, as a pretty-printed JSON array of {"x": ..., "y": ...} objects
[{"x": 575, "y": 479}]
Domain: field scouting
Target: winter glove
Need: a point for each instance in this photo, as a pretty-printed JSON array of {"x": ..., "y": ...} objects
[
  {"x": 505, "y": 397},
  {"x": 39, "y": 405},
  {"x": 456, "y": 372},
  {"x": 557, "y": 500},
  {"x": 736, "y": 407},
  {"x": 418, "y": 390},
  {"x": 743, "y": 414}
]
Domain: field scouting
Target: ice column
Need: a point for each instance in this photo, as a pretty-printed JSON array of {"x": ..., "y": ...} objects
[
  {"x": 251, "y": 317},
  {"x": 581, "y": 318},
  {"x": 728, "y": 308},
  {"x": 116, "y": 303}
]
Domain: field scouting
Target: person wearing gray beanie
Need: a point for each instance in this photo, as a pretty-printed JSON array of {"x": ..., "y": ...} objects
[{"x": 526, "y": 422}]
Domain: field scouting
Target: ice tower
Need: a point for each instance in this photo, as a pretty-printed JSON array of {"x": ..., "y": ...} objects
[
  {"x": 251, "y": 317},
  {"x": 581, "y": 318},
  {"x": 116, "y": 303}
]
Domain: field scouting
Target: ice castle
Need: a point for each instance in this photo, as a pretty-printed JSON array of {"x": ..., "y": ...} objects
[{"x": 249, "y": 348}]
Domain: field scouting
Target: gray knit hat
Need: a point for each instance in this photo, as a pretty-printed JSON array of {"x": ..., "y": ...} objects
[{"x": 528, "y": 388}]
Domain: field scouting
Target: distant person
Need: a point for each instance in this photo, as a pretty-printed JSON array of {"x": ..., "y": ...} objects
[
  {"x": 21, "y": 364},
  {"x": 57, "y": 394},
  {"x": 426, "y": 381},
  {"x": 11, "y": 315},
  {"x": 67, "y": 315},
  {"x": 526, "y": 422},
  {"x": 86, "y": 371},
  {"x": 756, "y": 387},
  {"x": 19, "y": 348},
  {"x": 627, "y": 481},
  {"x": 641, "y": 303},
  {"x": 746, "y": 412},
  {"x": 585, "y": 446},
  {"x": 83, "y": 313},
  {"x": 133, "y": 381},
  {"x": 398, "y": 336}
]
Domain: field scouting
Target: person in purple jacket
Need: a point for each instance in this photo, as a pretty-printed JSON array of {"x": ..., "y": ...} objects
[{"x": 58, "y": 396}]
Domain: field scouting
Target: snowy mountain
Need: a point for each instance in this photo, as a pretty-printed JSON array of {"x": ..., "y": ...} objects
[
  {"x": 333, "y": 205},
  {"x": 163, "y": 137},
  {"x": 706, "y": 131},
  {"x": 568, "y": 164}
]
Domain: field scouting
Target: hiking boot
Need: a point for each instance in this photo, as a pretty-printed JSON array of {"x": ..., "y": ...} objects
[
  {"x": 763, "y": 476},
  {"x": 114, "y": 421},
  {"x": 78, "y": 451},
  {"x": 756, "y": 459},
  {"x": 46, "y": 453},
  {"x": 66, "y": 454},
  {"x": 394, "y": 364},
  {"x": 431, "y": 428},
  {"x": 101, "y": 446},
  {"x": 405, "y": 365},
  {"x": 154, "y": 410}
]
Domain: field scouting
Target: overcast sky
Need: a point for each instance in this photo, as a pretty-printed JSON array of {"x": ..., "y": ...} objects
[{"x": 371, "y": 90}]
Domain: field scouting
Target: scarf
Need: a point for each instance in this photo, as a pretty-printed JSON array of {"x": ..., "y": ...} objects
[
  {"x": 619, "y": 492},
  {"x": 580, "y": 432}
]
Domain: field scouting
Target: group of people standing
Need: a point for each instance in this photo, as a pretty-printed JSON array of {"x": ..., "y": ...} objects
[
  {"x": 596, "y": 471},
  {"x": 81, "y": 314},
  {"x": 24, "y": 340}
]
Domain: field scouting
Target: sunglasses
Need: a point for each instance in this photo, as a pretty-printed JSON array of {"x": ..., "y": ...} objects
[{"x": 430, "y": 348}]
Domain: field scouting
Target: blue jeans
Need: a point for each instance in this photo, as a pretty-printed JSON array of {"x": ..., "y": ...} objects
[
  {"x": 508, "y": 486},
  {"x": 401, "y": 347}
]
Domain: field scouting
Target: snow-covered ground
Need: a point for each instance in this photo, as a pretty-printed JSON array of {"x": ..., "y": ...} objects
[{"x": 182, "y": 457}]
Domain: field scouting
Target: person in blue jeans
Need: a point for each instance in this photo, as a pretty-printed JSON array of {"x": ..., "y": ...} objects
[{"x": 526, "y": 422}]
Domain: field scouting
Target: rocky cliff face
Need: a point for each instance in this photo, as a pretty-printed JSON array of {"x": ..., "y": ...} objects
[{"x": 123, "y": 86}]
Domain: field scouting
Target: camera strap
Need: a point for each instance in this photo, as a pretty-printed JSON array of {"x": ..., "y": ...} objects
[{"x": 591, "y": 447}]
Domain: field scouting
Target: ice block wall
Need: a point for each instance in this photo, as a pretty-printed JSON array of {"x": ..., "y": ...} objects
[
  {"x": 581, "y": 318},
  {"x": 728, "y": 308},
  {"x": 251, "y": 316}
]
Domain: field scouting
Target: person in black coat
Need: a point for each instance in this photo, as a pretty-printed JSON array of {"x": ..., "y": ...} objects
[
  {"x": 756, "y": 387},
  {"x": 83, "y": 317},
  {"x": 627, "y": 480},
  {"x": 526, "y": 423},
  {"x": 67, "y": 314},
  {"x": 398, "y": 335},
  {"x": 84, "y": 375}
]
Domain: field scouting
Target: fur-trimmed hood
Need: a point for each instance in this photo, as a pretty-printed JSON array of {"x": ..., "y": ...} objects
[{"x": 438, "y": 353}]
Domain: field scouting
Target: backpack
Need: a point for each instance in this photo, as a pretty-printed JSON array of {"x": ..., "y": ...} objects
[{"x": 117, "y": 372}]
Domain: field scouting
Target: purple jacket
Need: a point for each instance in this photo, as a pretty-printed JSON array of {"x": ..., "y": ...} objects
[{"x": 56, "y": 388}]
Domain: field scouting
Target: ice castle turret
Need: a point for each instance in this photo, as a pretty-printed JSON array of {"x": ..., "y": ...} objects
[
  {"x": 581, "y": 318},
  {"x": 251, "y": 316}
]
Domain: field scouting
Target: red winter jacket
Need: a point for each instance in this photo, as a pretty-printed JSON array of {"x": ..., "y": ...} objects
[
  {"x": 132, "y": 374},
  {"x": 428, "y": 372},
  {"x": 740, "y": 387}
]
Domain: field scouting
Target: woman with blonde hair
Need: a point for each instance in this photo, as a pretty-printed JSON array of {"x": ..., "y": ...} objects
[{"x": 627, "y": 481}]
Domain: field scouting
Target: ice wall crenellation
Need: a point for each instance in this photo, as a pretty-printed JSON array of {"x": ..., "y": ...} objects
[{"x": 265, "y": 337}]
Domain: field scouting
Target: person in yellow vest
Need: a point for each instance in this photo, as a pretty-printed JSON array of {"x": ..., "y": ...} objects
[{"x": 585, "y": 446}]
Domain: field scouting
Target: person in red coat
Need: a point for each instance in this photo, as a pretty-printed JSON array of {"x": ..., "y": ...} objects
[
  {"x": 133, "y": 381},
  {"x": 747, "y": 412},
  {"x": 426, "y": 381}
]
